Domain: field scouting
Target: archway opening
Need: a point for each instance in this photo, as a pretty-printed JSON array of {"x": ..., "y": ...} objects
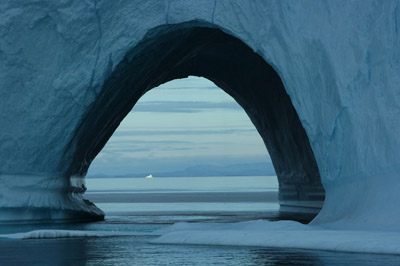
[
  {"x": 186, "y": 127},
  {"x": 186, "y": 148},
  {"x": 176, "y": 51}
]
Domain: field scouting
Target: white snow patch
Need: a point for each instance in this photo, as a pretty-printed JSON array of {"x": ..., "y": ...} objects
[
  {"x": 49, "y": 234},
  {"x": 282, "y": 234}
]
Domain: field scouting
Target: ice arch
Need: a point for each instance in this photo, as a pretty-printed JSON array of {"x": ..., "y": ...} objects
[
  {"x": 176, "y": 51},
  {"x": 341, "y": 72}
]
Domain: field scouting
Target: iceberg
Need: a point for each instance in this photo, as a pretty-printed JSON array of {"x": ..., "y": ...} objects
[
  {"x": 53, "y": 234},
  {"x": 281, "y": 234},
  {"x": 319, "y": 80}
]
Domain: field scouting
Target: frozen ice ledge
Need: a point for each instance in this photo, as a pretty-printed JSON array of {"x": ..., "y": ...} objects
[
  {"x": 319, "y": 84},
  {"x": 39, "y": 198}
]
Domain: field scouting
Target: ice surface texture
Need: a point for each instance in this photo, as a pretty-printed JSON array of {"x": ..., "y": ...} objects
[
  {"x": 281, "y": 234},
  {"x": 51, "y": 234},
  {"x": 71, "y": 70}
]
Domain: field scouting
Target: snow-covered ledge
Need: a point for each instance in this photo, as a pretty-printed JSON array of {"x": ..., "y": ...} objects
[{"x": 62, "y": 66}]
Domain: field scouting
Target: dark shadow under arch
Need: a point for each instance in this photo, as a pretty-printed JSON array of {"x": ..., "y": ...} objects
[{"x": 194, "y": 48}]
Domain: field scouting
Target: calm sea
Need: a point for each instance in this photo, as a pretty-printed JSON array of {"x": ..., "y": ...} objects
[
  {"x": 192, "y": 196},
  {"x": 137, "y": 207}
]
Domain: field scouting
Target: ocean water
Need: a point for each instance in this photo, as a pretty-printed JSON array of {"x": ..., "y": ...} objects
[
  {"x": 189, "y": 196},
  {"x": 184, "y": 184},
  {"x": 137, "y": 210}
]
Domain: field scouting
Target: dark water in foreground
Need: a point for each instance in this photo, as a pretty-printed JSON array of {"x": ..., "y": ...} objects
[
  {"x": 137, "y": 249},
  {"x": 139, "y": 219}
]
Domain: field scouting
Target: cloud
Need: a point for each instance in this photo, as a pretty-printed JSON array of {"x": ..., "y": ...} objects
[
  {"x": 180, "y": 132},
  {"x": 183, "y": 106},
  {"x": 191, "y": 82},
  {"x": 123, "y": 152},
  {"x": 139, "y": 141},
  {"x": 134, "y": 146},
  {"x": 113, "y": 165},
  {"x": 186, "y": 87}
]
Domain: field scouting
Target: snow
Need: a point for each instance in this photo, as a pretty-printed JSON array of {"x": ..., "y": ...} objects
[
  {"x": 339, "y": 63},
  {"x": 281, "y": 234},
  {"x": 260, "y": 233},
  {"x": 51, "y": 234}
]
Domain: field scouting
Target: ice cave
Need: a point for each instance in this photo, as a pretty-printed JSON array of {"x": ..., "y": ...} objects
[{"x": 318, "y": 79}]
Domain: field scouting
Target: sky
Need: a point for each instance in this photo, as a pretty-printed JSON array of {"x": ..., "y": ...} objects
[{"x": 182, "y": 123}]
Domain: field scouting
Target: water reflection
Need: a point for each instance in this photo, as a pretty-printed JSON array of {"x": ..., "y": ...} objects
[
  {"x": 44, "y": 252},
  {"x": 135, "y": 250},
  {"x": 275, "y": 256}
]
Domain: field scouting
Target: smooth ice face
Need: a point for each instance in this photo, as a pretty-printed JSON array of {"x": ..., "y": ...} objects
[{"x": 62, "y": 68}]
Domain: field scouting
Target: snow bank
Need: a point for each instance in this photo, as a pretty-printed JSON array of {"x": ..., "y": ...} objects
[{"x": 282, "y": 234}]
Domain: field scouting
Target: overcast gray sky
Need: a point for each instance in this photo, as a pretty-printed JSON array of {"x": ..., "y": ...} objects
[{"x": 179, "y": 124}]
